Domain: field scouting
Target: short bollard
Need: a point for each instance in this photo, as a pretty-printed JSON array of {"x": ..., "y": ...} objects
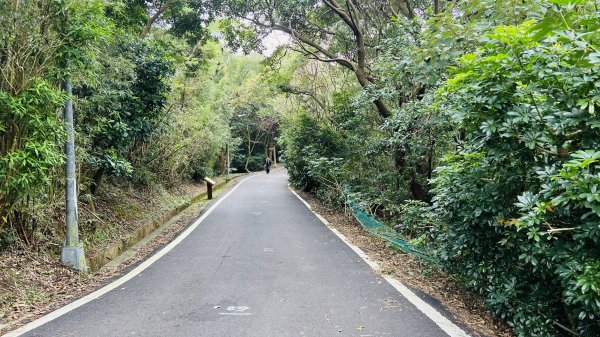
[{"x": 209, "y": 187}]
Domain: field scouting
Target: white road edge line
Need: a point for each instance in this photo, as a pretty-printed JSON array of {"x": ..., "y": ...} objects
[
  {"x": 137, "y": 270},
  {"x": 444, "y": 323}
]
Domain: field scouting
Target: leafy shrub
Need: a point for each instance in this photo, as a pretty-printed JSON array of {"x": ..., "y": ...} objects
[
  {"x": 256, "y": 163},
  {"x": 415, "y": 219},
  {"x": 310, "y": 146},
  {"x": 124, "y": 109},
  {"x": 8, "y": 237},
  {"x": 563, "y": 219},
  {"x": 29, "y": 152},
  {"x": 517, "y": 199}
]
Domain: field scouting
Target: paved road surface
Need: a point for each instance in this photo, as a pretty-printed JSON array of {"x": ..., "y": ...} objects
[{"x": 260, "y": 265}]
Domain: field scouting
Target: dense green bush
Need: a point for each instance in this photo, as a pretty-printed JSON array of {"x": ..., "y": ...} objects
[
  {"x": 310, "y": 147},
  {"x": 123, "y": 109},
  {"x": 30, "y": 154},
  {"x": 41, "y": 44},
  {"x": 518, "y": 196},
  {"x": 152, "y": 97},
  {"x": 514, "y": 211}
]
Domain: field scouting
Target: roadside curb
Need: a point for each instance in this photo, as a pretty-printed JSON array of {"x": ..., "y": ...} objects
[
  {"x": 123, "y": 251},
  {"x": 116, "y": 249},
  {"x": 147, "y": 262}
]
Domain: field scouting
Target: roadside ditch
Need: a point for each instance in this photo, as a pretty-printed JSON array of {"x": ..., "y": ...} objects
[{"x": 34, "y": 283}]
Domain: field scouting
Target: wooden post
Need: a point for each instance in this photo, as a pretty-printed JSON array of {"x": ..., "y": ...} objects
[{"x": 209, "y": 187}]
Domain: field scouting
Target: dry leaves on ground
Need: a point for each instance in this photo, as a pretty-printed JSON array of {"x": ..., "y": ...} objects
[
  {"x": 467, "y": 307},
  {"x": 33, "y": 284}
]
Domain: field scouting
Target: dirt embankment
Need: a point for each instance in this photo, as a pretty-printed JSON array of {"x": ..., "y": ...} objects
[{"x": 33, "y": 282}]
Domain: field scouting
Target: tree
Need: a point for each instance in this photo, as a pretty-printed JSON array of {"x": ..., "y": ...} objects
[
  {"x": 29, "y": 127},
  {"x": 346, "y": 33},
  {"x": 124, "y": 108},
  {"x": 184, "y": 18}
]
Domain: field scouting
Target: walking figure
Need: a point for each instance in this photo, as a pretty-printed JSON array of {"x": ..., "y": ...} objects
[{"x": 268, "y": 165}]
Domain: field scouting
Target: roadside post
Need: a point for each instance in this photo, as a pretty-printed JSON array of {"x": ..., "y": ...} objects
[
  {"x": 209, "y": 187},
  {"x": 72, "y": 253}
]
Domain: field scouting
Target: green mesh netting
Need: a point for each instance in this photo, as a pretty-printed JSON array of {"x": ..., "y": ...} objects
[{"x": 373, "y": 226}]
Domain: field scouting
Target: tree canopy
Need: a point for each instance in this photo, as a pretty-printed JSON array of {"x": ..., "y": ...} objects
[{"x": 469, "y": 127}]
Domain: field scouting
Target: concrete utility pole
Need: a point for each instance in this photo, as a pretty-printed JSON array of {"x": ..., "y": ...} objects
[{"x": 72, "y": 252}]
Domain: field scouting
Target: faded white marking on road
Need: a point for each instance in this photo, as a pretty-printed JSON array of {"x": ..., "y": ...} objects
[
  {"x": 268, "y": 249},
  {"x": 237, "y": 309},
  {"x": 235, "y": 313},
  {"x": 445, "y": 324},
  {"x": 98, "y": 293}
]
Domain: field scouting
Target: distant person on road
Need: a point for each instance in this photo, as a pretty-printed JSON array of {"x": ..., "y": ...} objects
[{"x": 268, "y": 165}]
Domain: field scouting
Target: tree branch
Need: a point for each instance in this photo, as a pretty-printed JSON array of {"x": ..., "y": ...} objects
[
  {"x": 330, "y": 56},
  {"x": 156, "y": 16},
  {"x": 335, "y": 7}
]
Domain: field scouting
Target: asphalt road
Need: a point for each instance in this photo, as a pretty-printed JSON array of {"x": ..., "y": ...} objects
[{"x": 261, "y": 264}]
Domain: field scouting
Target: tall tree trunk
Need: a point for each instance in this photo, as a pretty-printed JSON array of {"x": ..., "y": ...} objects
[
  {"x": 416, "y": 189},
  {"x": 359, "y": 67},
  {"x": 222, "y": 164},
  {"x": 249, "y": 153}
]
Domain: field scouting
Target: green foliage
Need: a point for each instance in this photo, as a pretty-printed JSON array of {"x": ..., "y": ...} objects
[
  {"x": 29, "y": 148},
  {"x": 149, "y": 90},
  {"x": 187, "y": 20},
  {"x": 128, "y": 15},
  {"x": 495, "y": 103},
  {"x": 516, "y": 199},
  {"x": 563, "y": 219},
  {"x": 312, "y": 152},
  {"x": 254, "y": 119},
  {"x": 239, "y": 37},
  {"x": 123, "y": 88},
  {"x": 415, "y": 221},
  {"x": 124, "y": 108},
  {"x": 83, "y": 29},
  {"x": 514, "y": 212}
]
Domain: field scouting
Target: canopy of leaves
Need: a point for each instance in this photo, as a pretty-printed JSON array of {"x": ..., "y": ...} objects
[
  {"x": 470, "y": 126},
  {"x": 495, "y": 124}
]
